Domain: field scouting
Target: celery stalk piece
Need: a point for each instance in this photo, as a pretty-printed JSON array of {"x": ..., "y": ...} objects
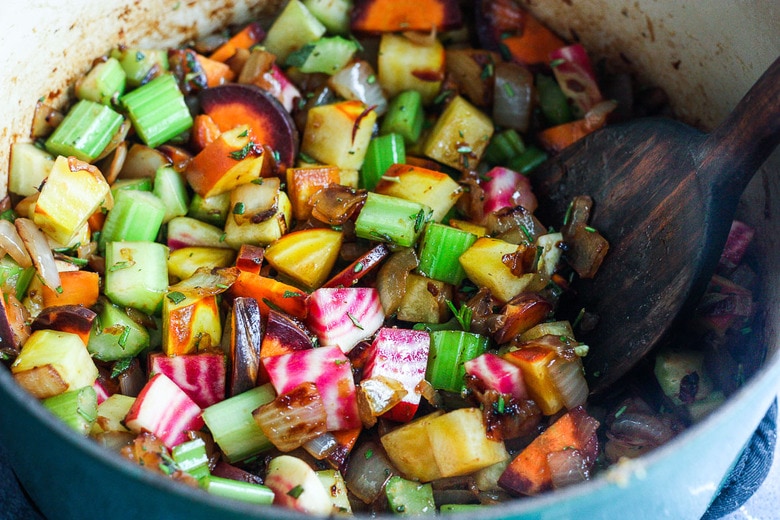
[
  {"x": 233, "y": 427},
  {"x": 504, "y": 146},
  {"x": 191, "y": 457},
  {"x": 137, "y": 274},
  {"x": 460, "y": 508},
  {"x": 115, "y": 335},
  {"x": 450, "y": 349},
  {"x": 157, "y": 110},
  {"x": 171, "y": 188},
  {"x": 552, "y": 101},
  {"x": 528, "y": 160},
  {"x": 382, "y": 152},
  {"x": 404, "y": 116},
  {"x": 238, "y": 490},
  {"x": 390, "y": 219},
  {"x": 212, "y": 210},
  {"x": 293, "y": 28},
  {"x": 77, "y": 408},
  {"x": 104, "y": 83},
  {"x": 85, "y": 132},
  {"x": 327, "y": 55},
  {"x": 440, "y": 248},
  {"x": 334, "y": 14},
  {"x": 141, "y": 65},
  {"x": 408, "y": 497},
  {"x": 136, "y": 217}
]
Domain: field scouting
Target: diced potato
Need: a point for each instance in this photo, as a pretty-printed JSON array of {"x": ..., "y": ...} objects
[
  {"x": 183, "y": 262},
  {"x": 410, "y": 65},
  {"x": 425, "y": 300},
  {"x": 29, "y": 167},
  {"x": 293, "y": 28},
  {"x": 74, "y": 190},
  {"x": 464, "y": 225},
  {"x": 460, "y": 135},
  {"x": 434, "y": 189},
  {"x": 338, "y": 134},
  {"x": 336, "y": 487},
  {"x": 410, "y": 450},
  {"x": 306, "y": 256},
  {"x": 111, "y": 414},
  {"x": 460, "y": 444},
  {"x": 190, "y": 322},
  {"x": 304, "y": 182},
  {"x": 262, "y": 233},
  {"x": 52, "y": 362}
]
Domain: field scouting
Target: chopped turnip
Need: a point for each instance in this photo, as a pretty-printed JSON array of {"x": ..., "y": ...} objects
[
  {"x": 737, "y": 243},
  {"x": 200, "y": 376},
  {"x": 402, "y": 355},
  {"x": 296, "y": 486},
  {"x": 507, "y": 189},
  {"x": 344, "y": 316},
  {"x": 497, "y": 374},
  {"x": 163, "y": 409},
  {"x": 329, "y": 369}
]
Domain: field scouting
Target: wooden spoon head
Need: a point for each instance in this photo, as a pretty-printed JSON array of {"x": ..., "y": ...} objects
[{"x": 663, "y": 226}]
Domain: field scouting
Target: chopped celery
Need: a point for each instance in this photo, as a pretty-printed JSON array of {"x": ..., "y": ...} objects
[
  {"x": 382, "y": 152},
  {"x": 191, "y": 457},
  {"x": 171, "y": 188},
  {"x": 104, "y": 83},
  {"x": 504, "y": 146},
  {"x": 140, "y": 184},
  {"x": 293, "y": 28},
  {"x": 136, "y": 216},
  {"x": 212, "y": 210},
  {"x": 141, "y": 65},
  {"x": 404, "y": 116},
  {"x": 85, "y": 132},
  {"x": 450, "y": 349},
  {"x": 327, "y": 55},
  {"x": 528, "y": 160},
  {"x": 408, "y": 497},
  {"x": 552, "y": 101},
  {"x": 115, "y": 335},
  {"x": 238, "y": 490},
  {"x": 334, "y": 14},
  {"x": 390, "y": 219},
  {"x": 137, "y": 274},
  {"x": 77, "y": 408},
  {"x": 440, "y": 248},
  {"x": 233, "y": 427},
  {"x": 157, "y": 110}
]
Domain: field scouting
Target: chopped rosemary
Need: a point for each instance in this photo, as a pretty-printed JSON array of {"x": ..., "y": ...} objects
[
  {"x": 176, "y": 297},
  {"x": 354, "y": 321}
]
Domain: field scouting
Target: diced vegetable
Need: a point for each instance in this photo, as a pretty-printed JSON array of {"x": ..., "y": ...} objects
[
  {"x": 382, "y": 153},
  {"x": 296, "y": 485},
  {"x": 306, "y": 256},
  {"x": 497, "y": 374},
  {"x": 404, "y": 116},
  {"x": 460, "y": 135},
  {"x": 682, "y": 375},
  {"x": 136, "y": 217},
  {"x": 157, "y": 110},
  {"x": 141, "y": 65},
  {"x": 136, "y": 274},
  {"x": 244, "y": 491},
  {"x": 450, "y": 349},
  {"x": 293, "y": 418},
  {"x": 424, "y": 300},
  {"x": 115, "y": 335},
  {"x": 405, "y": 15},
  {"x": 339, "y": 133},
  {"x": 85, "y": 132},
  {"x": 430, "y": 188},
  {"x": 410, "y": 449},
  {"x": 326, "y": 55},
  {"x": 344, "y": 316},
  {"x": 407, "y": 497},
  {"x": 406, "y": 64},
  {"x": 104, "y": 83},
  {"x": 270, "y": 293},
  {"x": 385, "y": 218},
  {"x": 192, "y": 458},
  {"x": 29, "y": 167},
  {"x": 200, "y": 376},
  {"x": 76, "y": 408},
  {"x": 440, "y": 248}
]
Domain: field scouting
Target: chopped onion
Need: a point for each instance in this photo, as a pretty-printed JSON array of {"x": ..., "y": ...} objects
[
  {"x": 569, "y": 381},
  {"x": 293, "y": 418},
  {"x": 391, "y": 278},
  {"x": 322, "y": 446},
  {"x": 513, "y": 96},
  {"x": 567, "y": 467},
  {"x": 38, "y": 246},
  {"x": 11, "y": 242},
  {"x": 114, "y": 162},
  {"x": 368, "y": 471},
  {"x": 358, "y": 82},
  {"x": 132, "y": 379},
  {"x": 335, "y": 204},
  {"x": 376, "y": 395}
]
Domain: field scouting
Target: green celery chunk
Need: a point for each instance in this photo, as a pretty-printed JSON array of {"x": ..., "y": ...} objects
[
  {"x": 234, "y": 429},
  {"x": 404, "y": 116},
  {"x": 191, "y": 457},
  {"x": 171, "y": 188},
  {"x": 440, "y": 248},
  {"x": 528, "y": 160},
  {"x": 157, "y": 110},
  {"x": 552, "y": 101},
  {"x": 76, "y": 408},
  {"x": 333, "y": 14},
  {"x": 504, "y": 146},
  {"x": 137, "y": 274},
  {"x": 382, "y": 152},
  {"x": 408, "y": 497},
  {"x": 212, "y": 210},
  {"x": 85, "y": 131},
  {"x": 450, "y": 349},
  {"x": 136, "y": 217},
  {"x": 327, "y": 55},
  {"x": 391, "y": 219},
  {"x": 115, "y": 335},
  {"x": 141, "y": 65},
  {"x": 238, "y": 490},
  {"x": 104, "y": 83},
  {"x": 140, "y": 184}
]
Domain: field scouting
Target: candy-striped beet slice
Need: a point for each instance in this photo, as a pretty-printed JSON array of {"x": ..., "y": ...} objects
[{"x": 344, "y": 316}]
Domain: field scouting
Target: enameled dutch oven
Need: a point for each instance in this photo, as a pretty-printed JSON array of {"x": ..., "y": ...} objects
[{"x": 704, "y": 54}]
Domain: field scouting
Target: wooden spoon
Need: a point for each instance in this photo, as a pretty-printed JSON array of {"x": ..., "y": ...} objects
[{"x": 664, "y": 195}]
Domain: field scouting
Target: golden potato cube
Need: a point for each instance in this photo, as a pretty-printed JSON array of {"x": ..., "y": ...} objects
[
  {"x": 460, "y": 135},
  {"x": 191, "y": 322},
  {"x": 409, "y": 65},
  {"x": 262, "y": 233},
  {"x": 409, "y": 449},
  {"x": 437, "y": 190},
  {"x": 306, "y": 256},
  {"x": 338, "y": 134},
  {"x": 111, "y": 414},
  {"x": 183, "y": 262},
  {"x": 425, "y": 300},
  {"x": 484, "y": 266}
]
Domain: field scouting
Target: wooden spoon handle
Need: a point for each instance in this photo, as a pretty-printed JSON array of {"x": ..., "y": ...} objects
[{"x": 738, "y": 147}]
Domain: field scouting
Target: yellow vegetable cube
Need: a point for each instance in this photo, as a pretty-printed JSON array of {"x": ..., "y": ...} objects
[
  {"x": 425, "y": 300},
  {"x": 437, "y": 190},
  {"x": 191, "y": 322},
  {"x": 261, "y": 233},
  {"x": 460, "y": 135},
  {"x": 306, "y": 256},
  {"x": 410, "y": 450},
  {"x": 411, "y": 65},
  {"x": 183, "y": 262},
  {"x": 338, "y": 134},
  {"x": 111, "y": 414}
]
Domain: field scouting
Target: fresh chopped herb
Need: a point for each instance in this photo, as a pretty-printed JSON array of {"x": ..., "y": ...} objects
[
  {"x": 500, "y": 404},
  {"x": 296, "y": 492},
  {"x": 176, "y": 297},
  {"x": 567, "y": 216},
  {"x": 419, "y": 220},
  {"x": 259, "y": 182},
  {"x": 244, "y": 133},
  {"x": 745, "y": 330},
  {"x": 291, "y": 294},
  {"x": 9, "y": 215},
  {"x": 241, "y": 154},
  {"x": 508, "y": 90},
  {"x": 354, "y": 321},
  {"x": 222, "y": 237},
  {"x": 80, "y": 262},
  {"x": 306, "y": 158},
  {"x": 464, "y": 149},
  {"x": 239, "y": 208},
  {"x": 272, "y": 305},
  {"x": 463, "y": 315},
  {"x": 276, "y": 155},
  {"x": 371, "y": 79},
  {"x": 579, "y": 317},
  {"x": 555, "y": 63},
  {"x": 221, "y": 286},
  {"x": 442, "y": 96},
  {"x": 487, "y": 72},
  {"x": 120, "y": 265},
  {"x": 369, "y": 454},
  {"x": 506, "y": 54},
  {"x": 120, "y": 366},
  {"x": 123, "y": 337},
  {"x": 620, "y": 411},
  {"x": 358, "y": 267},
  {"x": 59, "y": 289},
  {"x": 526, "y": 232},
  {"x": 590, "y": 229}
]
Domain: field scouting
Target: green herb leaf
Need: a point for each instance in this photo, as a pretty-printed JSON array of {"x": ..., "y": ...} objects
[
  {"x": 176, "y": 297},
  {"x": 354, "y": 321},
  {"x": 241, "y": 154},
  {"x": 296, "y": 492}
]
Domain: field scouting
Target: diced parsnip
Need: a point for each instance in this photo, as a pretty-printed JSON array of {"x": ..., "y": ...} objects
[
  {"x": 182, "y": 263},
  {"x": 188, "y": 231},
  {"x": 303, "y": 182},
  {"x": 261, "y": 233},
  {"x": 29, "y": 167},
  {"x": 425, "y": 300},
  {"x": 234, "y": 158},
  {"x": 297, "y": 486},
  {"x": 460, "y": 444},
  {"x": 551, "y": 253},
  {"x": 293, "y": 28},
  {"x": 336, "y": 487},
  {"x": 405, "y": 64},
  {"x": 484, "y": 266},
  {"x": 460, "y": 135},
  {"x": 74, "y": 190},
  {"x": 53, "y": 362},
  {"x": 339, "y": 133},
  {"x": 111, "y": 414},
  {"x": 306, "y": 256},
  {"x": 434, "y": 189},
  {"x": 409, "y": 448},
  {"x": 137, "y": 274}
]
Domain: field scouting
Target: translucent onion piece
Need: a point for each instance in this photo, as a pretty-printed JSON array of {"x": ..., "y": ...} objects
[
  {"x": 513, "y": 96},
  {"x": 42, "y": 258},
  {"x": 113, "y": 163},
  {"x": 336, "y": 204},
  {"x": 569, "y": 381},
  {"x": 293, "y": 418},
  {"x": 358, "y": 82},
  {"x": 567, "y": 467},
  {"x": 11, "y": 242},
  {"x": 368, "y": 471},
  {"x": 322, "y": 446},
  {"x": 377, "y": 395},
  {"x": 391, "y": 279}
]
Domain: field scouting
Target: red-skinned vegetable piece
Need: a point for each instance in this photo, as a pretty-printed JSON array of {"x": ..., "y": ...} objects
[
  {"x": 65, "y": 318},
  {"x": 402, "y": 355},
  {"x": 344, "y": 316},
  {"x": 270, "y": 293},
  {"x": 246, "y": 335},
  {"x": 529, "y": 472},
  {"x": 740, "y": 237},
  {"x": 405, "y": 15},
  {"x": 329, "y": 369},
  {"x": 164, "y": 410},
  {"x": 497, "y": 374},
  {"x": 283, "y": 334},
  {"x": 574, "y": 73},
  {"x": 522, "y": 312},
  {"x": 724, "y": 305},
  {"x": 200, "y": 376},
  {"x": 293, "y": 418},
  {"x": 366, "y": 263},
  {"x": 506, "y": 189},
  {"x": 250, "y": 258}
]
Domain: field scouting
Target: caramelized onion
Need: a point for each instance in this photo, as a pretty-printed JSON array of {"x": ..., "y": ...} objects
[
  {"x": 391, "y": 278},
  {"x": 368, "y": 471},
  {"x": 336, "y": 204},
  {"x": 12, "y": 243},
  {"x": 357, "y": 81},
  {"x": 567, "y": 467},
  {"x": 38, "y": 246}
]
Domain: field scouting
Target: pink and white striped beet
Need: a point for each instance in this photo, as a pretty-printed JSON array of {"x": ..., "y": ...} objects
[
  {"x": 344, "y": 316},
  {"x": 330, "y": 370},
  {"x": 163, "y": 409},
  {"x": 400, "y": 354},
  {"x": 507, "y": 189},
  {"x": 497, "y": 374},
  {"x": 200, "y": 376}
]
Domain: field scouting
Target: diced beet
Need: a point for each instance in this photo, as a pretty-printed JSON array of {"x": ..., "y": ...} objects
[
  {"x": 287, "y": 93},
  {"x": 497, "y": 374},
  {"x": 283, "y": 334},
  {"x": 360, "y": 267},
  {"x": 329, "y": 369},
  {"x": 200, "y": 376},
  {"x": 165, "y": 410},
  {"x": 101, "y": 389},
  {"x": 737, "y": 243},
  {"x": 345, "y": 316},
  {"x": 575, "y": 75},
  {"x": 400, "y": 354},
  {"x": 507, "y": 189}
]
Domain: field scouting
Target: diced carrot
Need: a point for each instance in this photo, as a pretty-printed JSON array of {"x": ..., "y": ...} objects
[
  {"x": 78, "y": 288},
  {"x": 269, "y": 292},
  {"x": 302, "y": 183},
  {"x": 250, "y": 258},
  {"x": 533, "y": 45},
  {"x": 405, "y": 15},
  {"x": 244, "y": 39},
  {"x": 558, "y": 137},
  {"x": 96, "y": 220},
  {"x": 204, "y": 131},
  {"x": 216, "y": 72}
]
